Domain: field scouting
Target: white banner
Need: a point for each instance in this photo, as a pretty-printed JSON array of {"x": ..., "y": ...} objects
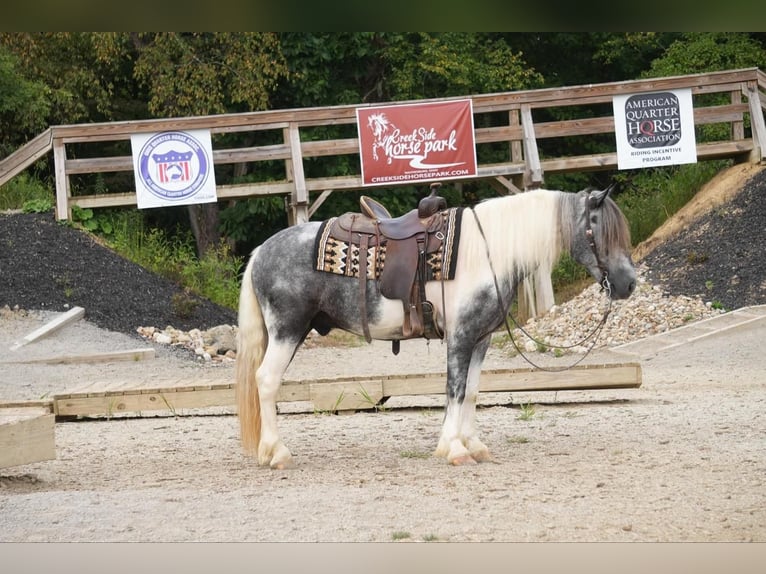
[
  {"x": 654, "y": 129},
  {"x": 173, "y": 168}
]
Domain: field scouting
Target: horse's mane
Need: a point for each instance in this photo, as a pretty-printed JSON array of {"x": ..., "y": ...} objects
[
  {"x": 615, "y": 228},
  {"x": 531, "y": 229}
]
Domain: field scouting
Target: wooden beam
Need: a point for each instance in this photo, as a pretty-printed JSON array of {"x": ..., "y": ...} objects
[
  {"x": 108, "y": 357},
  {"x": 345, "y": 393},
  {"x": 26, "y": 436},
  {"x": 300, "y": 197},
  {"x": 319, "y": 201},
  {"x": 63, "y": 192},
  {"x": 756, "y": 120},
  {"x": 351, "y": 395},
  {"x": 534, "y": 174},
  {"x": 18, "y": 161},
  {"x": 74, "y": 314}
]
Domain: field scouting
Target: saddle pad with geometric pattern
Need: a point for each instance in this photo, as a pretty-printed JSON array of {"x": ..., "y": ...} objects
[{"x": 333, "y": 255}]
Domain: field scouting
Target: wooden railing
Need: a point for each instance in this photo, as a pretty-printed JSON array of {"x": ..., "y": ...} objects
[{"x": 524, "y": 167}]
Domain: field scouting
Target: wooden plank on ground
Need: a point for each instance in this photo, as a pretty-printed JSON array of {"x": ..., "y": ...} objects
[
  {"x": 26, "y": 436},
  {"x": 107, "y": 357},
  {"x": 344, "y": 396},
  {"x": 344, "y": 393},
  {"x": 111, "y": 404},
  {"x": 74, "y": 314}
]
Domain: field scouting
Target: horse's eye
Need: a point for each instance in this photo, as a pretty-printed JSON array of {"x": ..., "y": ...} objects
[{"x": 593, "y": 219}]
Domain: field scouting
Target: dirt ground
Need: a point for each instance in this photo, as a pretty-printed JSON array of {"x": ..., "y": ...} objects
[{"x": 681, "y": 458}]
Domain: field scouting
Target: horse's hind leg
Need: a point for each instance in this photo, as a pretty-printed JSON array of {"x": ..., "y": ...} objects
[{"x": 271, "y": 449}]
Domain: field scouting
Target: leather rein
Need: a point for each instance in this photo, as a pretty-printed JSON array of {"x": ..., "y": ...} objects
[{"x": 605, "y": 286}]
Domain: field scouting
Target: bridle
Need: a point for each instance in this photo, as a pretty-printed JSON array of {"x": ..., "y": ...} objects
[{"x": 605, "y": 286}]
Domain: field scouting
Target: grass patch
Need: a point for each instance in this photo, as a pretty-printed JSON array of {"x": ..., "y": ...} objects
[
  {"x": 400, "y": 535},
  {"x": 25, "y": 189},
  {"x": 527, "y": 412},
  {"x": 414, "y": 454},
  {"x": 517, "y": 440}
]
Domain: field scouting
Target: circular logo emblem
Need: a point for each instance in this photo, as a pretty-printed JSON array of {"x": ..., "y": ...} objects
[{"x": 173, "y": 165}]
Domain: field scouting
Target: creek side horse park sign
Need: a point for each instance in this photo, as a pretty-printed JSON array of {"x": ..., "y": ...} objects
[{"x": 416, "y": 142}]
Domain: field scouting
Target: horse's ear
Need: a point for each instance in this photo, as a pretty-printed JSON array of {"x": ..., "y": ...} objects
[{"x": 598, "y": 196}]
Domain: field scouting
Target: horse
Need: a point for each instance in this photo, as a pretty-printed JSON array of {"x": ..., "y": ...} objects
[{"x": 502, "y": 241}]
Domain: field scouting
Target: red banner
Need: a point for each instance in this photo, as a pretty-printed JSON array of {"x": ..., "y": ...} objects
[{"x": 416, "y": 142}]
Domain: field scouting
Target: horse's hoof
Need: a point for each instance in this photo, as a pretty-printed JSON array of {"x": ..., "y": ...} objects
[
  {"x": 463, "y": 460},
  {"x": 282, "y": 465}
]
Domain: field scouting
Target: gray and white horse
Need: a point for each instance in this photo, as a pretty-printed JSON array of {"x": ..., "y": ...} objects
[{"x": 505, "y": 240}]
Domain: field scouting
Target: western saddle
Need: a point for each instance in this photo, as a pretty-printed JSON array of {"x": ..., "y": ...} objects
[{"x": 408, "y": 240}]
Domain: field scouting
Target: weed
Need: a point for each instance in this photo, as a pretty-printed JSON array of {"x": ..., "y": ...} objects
[
  {"x": 414, "y": 454},
  {"x": 717, "y": 305},
  {"x": 400, "y": 535},
  {"x": 368, "y": 399},
  {"x": 24, "y": 190},
  {"x": 41, "y": 205},
  {"x": 171, "y": 408},
  {"x": 65, "y": 282},
  {"x": 527, "y": 412},
  {"x": 517, "y": 440},
  {"x": 183, "y": 304},
  {"x": 110, "y": 408},
  {"x": 709, "y": 285},
  {"x": 334, "y": 408},
  {"x": 430, "y": 538},
  {"x": 694, "y": 258}
]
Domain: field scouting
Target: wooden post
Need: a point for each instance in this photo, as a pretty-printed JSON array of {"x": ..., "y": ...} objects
[
  {"x": 533, "y": 176},
  {"x": 757, "y": 123},
  {"x": 738, "y": 127},
  {"x": 516, "y": 150},
  {"x": 63, "y": 191},
  {"x": 300, "y": 198}
]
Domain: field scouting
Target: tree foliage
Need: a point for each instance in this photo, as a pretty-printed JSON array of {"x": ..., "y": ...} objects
[{"x": 72, "y": 77}]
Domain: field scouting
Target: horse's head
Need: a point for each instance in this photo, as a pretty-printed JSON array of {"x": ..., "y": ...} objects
[
  {"x": 601, "y": 242},
  {"x": 378, "y": 123}
]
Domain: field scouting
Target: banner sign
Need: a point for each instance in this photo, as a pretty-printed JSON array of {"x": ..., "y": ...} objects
[
  {"x": 173, "y": 168},
  {"x": 654, "y": 129},
  {"x": 416, "y": 142}
]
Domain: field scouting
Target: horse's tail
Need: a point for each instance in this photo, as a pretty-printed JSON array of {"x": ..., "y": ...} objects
[{"x": 252, "y": 339}]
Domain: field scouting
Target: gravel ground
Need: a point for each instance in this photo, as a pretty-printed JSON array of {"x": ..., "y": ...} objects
[
  {"x": 721, "y": 257},
  {"x": 680, "y": 459},
  {"x": 48, "y": 266}
]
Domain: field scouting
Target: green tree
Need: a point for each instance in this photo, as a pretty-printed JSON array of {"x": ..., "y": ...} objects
[
  {"x": 187, "y": 74},
  {"x": 700, "y": 52},
  {"x": 24, "y": 105}
]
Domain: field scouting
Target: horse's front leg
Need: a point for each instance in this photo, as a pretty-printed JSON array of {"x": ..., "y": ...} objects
[
  {"x": 459, "y": 441},
  {"x": 479, "y": 452}
]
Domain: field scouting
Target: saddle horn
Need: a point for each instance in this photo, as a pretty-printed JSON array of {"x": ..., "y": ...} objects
[{"x": 431, "y": 204}]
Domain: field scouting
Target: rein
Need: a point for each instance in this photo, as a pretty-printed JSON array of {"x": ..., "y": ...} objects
[{"x": 605, "y": 286}]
